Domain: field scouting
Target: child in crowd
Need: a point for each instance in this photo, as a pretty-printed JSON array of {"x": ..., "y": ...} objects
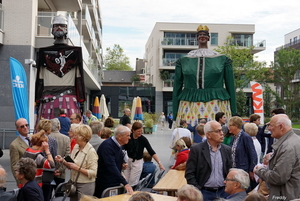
[{"x": 148, "y": 167}]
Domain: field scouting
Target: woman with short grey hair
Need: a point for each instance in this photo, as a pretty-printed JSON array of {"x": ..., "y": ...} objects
[{"x": 189, "y": 193}]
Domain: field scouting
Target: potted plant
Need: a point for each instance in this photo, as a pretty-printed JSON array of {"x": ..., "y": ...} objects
[{"x": 148, "y": 126}]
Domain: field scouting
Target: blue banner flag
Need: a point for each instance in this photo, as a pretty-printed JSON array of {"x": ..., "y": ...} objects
[{"x": 19, "y": 89}]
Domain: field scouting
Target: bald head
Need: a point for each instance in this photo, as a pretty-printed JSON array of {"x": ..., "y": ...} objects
[{"x": 279, "y": 125}]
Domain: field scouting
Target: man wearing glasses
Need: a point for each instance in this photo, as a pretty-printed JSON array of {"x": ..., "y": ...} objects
[
  {"x": 236, "y": 184},
  {"x": 209, "y": 163},
  {"x": 20, "y": 144}
]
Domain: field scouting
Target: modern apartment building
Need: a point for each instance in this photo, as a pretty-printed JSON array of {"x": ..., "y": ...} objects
[
  {"x": 25, "y": 26},
  {"x": 170, "y": 41}
]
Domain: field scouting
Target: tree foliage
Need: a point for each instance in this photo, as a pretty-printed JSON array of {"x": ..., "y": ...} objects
[
  {"x": 115, "y": 59},
  {"x": 286, "y": 65},
  {"x": 245, "y": 69}
]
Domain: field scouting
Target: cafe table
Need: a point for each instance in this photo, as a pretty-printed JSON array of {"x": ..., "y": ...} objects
[
  {"x": 171, "y": 182},
  {"x": 125, "y": 197}
]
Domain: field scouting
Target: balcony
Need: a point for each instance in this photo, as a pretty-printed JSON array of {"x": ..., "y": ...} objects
[
  {"x": 288, "y": 45},
  {"x": 141, "y": 84},
  {"x": 44, "y": 38},
  {"x": 168, "y": 64},
  {"x": 168, "y": 85},
  {"x": 179, "y": 41},
  {"x": 259, "y": 45}
]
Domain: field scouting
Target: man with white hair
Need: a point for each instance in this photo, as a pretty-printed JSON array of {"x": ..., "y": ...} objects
[
  {"x": 63, "y": 145},
  {"x": 209, "y": 163},
  {"x": 5, "y": 195},
  {"x": 283, "y": 174},
  {"x": 236, "y": 184}
]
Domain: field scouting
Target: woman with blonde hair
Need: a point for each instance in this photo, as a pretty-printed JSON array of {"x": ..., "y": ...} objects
[
  {"x": 182, "y": 153},
  {"x": 189, "y": 193},
  {"x": 71, "y": 135},
  {"x": 105, "y": 133},
  {"x": 84, "y": 165},
  {"x": 251, "y": 129}
]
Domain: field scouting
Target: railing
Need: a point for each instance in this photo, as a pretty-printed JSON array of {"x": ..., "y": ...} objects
[
  {"x": 247, "y": 42},
  {"x": 179, "y": 41},
  {"x": 288, "y": 45},
  {"x": 7, "y": 135},
  {"x": 141, "y": 84},
  {"x": 168, "y": 83},
  {"x": 168, "y": 62}
]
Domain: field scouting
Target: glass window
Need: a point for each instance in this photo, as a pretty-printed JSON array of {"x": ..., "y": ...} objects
[
  {"x": 245, "y": 40},
  {"x": 214, "y": 39}
]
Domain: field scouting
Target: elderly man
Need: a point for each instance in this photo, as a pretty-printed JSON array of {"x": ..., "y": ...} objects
[
  {"x": 75, "y": 118},
  {"x": 209, "y": 163},
  {"x": 63, "y": 144},
  {"x": 236, "y": 184},
  {"x": 125, "y": 120},
  {"x": 96, "y": 140},
  {"x": 5, "y": 195},
  {"x": 111, "y": 161},
  {"x": 20, "y": 144},
  {"x": 283, "y": 174},
  {"x": 90, "y": 117}
]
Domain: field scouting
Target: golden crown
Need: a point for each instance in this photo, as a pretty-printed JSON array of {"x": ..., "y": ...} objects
[{"x": 202, "y": 28}]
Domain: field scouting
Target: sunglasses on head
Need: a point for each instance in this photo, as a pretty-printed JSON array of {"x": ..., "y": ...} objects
[{"x": 23, "y": 126}]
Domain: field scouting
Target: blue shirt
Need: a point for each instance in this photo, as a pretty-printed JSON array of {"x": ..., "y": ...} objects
[{"x": 148, "y": 167}]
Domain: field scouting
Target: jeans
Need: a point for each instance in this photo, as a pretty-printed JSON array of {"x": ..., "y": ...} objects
[{"x": 210, "y": 196}]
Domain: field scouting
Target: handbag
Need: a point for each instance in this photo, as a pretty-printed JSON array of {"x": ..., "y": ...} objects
[{"x": 71, "y": 188}]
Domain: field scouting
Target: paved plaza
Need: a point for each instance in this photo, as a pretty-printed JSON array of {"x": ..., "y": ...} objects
[{"x": 159, "y": 140}]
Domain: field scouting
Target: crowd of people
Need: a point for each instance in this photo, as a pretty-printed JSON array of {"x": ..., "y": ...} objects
[{"x": 242, "y": 170}]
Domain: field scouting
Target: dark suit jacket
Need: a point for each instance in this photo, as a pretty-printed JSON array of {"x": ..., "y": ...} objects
[
  {"x": 245, "y": 154},
  {"x": 198, "y": 166},
  {"x": 31, "y": 191}
]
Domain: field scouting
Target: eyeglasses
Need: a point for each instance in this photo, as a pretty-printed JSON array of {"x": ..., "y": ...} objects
[
  {"x": 72, "y": 118},
  {"x": 23, "y": 126},
  {"x": 230, "y": 180},
  {"x": 216, "y": 131}
]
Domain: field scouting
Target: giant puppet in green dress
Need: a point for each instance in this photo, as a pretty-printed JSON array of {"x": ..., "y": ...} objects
[{"x": 203, "y": 84}]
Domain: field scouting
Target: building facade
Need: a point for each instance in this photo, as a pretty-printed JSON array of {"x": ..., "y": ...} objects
[
  {"x": 25, "y": 26},
  {"x": 170, "y": 41}
]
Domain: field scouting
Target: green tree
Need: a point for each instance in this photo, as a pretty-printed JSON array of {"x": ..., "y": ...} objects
[
  {"x": 115, "y": 59},
  {"x": 245, "y": 70},
  {"x": 286, "y": 65}
]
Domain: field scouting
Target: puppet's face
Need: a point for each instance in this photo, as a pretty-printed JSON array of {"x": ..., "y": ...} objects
[{"x": 59, "y": 30}]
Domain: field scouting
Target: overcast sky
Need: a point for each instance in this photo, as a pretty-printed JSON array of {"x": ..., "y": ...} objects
[{"x": 130, "y": 22}]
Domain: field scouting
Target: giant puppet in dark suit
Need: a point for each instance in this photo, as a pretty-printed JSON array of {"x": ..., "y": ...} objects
[{"x": 59, "y": 82}]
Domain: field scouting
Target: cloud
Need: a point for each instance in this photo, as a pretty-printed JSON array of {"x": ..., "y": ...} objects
[{"x": 129, "y": 23}]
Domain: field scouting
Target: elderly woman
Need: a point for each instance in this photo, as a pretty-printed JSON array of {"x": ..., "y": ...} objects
[
  {"x": 105, "y": 133},
  {"x": 135, "y": 150},
  {"x": 243, "y": 151},
  {"x": 189, "y": 193},
  {"x": 39, "y": 143},
  {"x": 251, "y": 129},
  {"x": 71, "y": 135},
  {"x": 183, "y": 153},
  {"x": 25, "y": 171},
  {"x": 85, "y": 162}
]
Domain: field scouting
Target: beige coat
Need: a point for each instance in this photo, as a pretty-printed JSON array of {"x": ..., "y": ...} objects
[
  {"x": 283, "y": 174},
  {"x": 63, "y": 144}
]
